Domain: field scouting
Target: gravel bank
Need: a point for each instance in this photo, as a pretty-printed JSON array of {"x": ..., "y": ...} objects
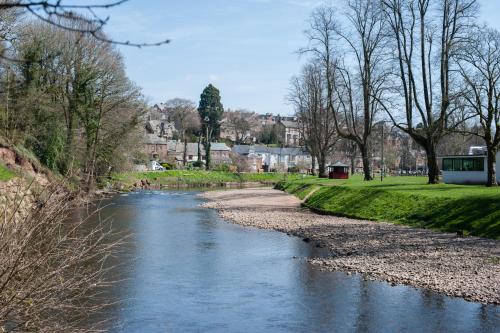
[{"x": 464, "y": 267}]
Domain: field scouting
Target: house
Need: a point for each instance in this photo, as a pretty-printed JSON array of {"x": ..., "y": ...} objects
[
  {"x": 161, "y": 128},
  {"x": 275, "y": 158},
  {"x": 219, "y": 153},
  {"x": 157, "y": 139},
  {"x": 289, "y": 131},
  {"x": 467, "y": 169},
  {"x": 156, "y": 147}
]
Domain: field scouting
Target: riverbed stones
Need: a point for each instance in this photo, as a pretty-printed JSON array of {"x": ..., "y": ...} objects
[{"x": 467, "y": 267}]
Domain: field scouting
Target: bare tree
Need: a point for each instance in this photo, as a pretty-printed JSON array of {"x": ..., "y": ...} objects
[
  {"x": 480, "y": 68},
  {"x": 186, "y": 119},
  {"x": 358, "y": 86},
  {"x": 426, "y": 36},
  {"x": 240, "y": 124},
  {"x": 316, "y": 121}
]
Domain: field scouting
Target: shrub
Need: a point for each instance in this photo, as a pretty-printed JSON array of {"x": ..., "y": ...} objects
[
  {"x": 51, "y": 267},
  {"x": 222, "y": 167},
  {"x": 198, "y": 164},
  {"x": 168, "y": 166}
]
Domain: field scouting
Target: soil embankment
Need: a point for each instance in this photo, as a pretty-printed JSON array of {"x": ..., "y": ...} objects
[{"x": 467, "y": 267}]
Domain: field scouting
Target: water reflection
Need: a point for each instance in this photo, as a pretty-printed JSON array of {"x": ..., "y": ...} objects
[{"x": 187, "y": 271}]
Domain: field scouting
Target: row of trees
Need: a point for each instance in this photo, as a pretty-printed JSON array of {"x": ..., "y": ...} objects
[
  {"x": 426, "y": 66},
  {"x": 66, "y": 97}
]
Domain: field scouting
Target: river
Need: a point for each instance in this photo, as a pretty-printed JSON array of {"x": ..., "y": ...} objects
[{"x": 186, "y": 270}]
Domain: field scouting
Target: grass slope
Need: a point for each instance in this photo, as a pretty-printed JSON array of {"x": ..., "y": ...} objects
[
  {"x": 470, "y": 209},
  {"x": 198, "y": 177},
  {"x": 5, "y": 173}
]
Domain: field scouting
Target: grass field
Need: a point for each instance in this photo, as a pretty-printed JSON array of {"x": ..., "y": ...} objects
[
  {"x": 5, "y": 173},
  {"x": 471, "y": 209},
  {"x": 199, "y": 177}
]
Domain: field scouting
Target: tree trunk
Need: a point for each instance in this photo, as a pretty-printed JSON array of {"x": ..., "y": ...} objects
[
  {"x": 207, "y": 156},
  {"x": 492, "y": 178},
  {"x": 366, "y": 162},
  {"x": 184, "y": 154},
  {"x": 322, "y": 165},
  {"x": 313, "y": 165},
  {"x": 432, "y": 164},
  {"x": 199, "y": 150}
]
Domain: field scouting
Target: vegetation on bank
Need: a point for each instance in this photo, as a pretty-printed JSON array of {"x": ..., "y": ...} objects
[
  {"x": 5, "y": 173},
  {"x": 465, "y": 209},
  {"x": 199, "y": 177}
]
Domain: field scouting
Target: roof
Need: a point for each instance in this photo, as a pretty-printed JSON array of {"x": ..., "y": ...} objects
[
  {"x": 290, "y": 124},
  {"x": 219, "y": 146},
  {"x": 261, "y": 149},
  {"x": 151, "y": 138},
  {"x": 339, "y": 164},
  {"x": 461, "y": 156}
]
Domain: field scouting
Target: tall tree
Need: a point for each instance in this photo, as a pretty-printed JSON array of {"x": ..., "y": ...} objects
[
  {"x": 211, "y": 111},
  {"x": 358, "y": 83},
  {"x": 426, "y": 36},
  {"x": 316, "y": 120},
  {"x": 480, "y": 68}
]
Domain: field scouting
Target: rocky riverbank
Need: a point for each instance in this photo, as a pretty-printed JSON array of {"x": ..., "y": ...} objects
[{"x": 467, "y": 267}]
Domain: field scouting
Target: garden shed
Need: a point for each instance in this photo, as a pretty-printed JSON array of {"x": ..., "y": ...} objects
[{"x": 338, "y": 171}]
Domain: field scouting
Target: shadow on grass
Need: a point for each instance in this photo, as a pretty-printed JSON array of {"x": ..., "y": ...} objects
[{"x": 479, "y": 216}]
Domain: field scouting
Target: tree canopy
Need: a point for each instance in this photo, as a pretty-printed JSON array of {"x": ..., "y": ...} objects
[{"x": 211, "y": 107}]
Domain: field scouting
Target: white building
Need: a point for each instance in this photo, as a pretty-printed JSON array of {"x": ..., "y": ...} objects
[
  {"x": 468, "y": 169},
  {"x": 275, "y": 158}
]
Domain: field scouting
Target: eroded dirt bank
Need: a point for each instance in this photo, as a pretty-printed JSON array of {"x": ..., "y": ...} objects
[{"x": 464, "y": 267}]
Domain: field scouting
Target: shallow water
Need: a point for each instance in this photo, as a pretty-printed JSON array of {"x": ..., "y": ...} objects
[{"x": 186, "y": 270}]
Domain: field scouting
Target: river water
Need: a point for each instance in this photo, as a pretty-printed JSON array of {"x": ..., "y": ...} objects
[{"x": 186, "y": 270}]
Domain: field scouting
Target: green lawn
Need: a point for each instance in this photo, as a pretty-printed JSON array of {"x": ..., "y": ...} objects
[
  {"x": 198, "y": 177},
  {"x": 5, "y": 173},
  {"x": 471, "y": 209}
]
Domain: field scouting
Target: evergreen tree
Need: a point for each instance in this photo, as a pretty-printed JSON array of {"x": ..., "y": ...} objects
[{"x": 210, "y": 110}]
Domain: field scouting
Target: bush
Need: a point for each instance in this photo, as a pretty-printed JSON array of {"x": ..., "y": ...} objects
[
  {"x": 222, "y": 167},
  {"x": 51, "y": 267},
  {"x": 198, "y": 164},
  {"x": 168, "y": 166}
]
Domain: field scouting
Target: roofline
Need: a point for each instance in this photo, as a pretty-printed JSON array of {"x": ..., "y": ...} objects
[{"x": 445, "y": 156}]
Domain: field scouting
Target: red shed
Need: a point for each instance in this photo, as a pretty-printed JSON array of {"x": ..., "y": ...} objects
[{"x": 338, "y": 171}]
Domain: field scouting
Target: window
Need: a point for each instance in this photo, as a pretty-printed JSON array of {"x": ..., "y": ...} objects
[{"x": 463, "y": 164}]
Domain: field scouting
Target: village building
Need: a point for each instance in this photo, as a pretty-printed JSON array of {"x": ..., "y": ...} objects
[
  {"x": 159, "y": 146},
  {"x": 468, "y": 169},
  {"x": 275, "y": 158},
  {"x": 220, "y": 153},
  {"x": 289, "y": 132}
]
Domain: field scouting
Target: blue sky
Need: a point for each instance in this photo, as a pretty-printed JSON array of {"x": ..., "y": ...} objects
[{"x": 244, "y": 47}]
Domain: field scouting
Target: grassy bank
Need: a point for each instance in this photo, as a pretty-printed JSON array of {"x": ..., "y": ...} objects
[
  {"x": 5, "y": 173},
  {"x": 198, "y": 178},
  {"x": 470, "y": 209}
]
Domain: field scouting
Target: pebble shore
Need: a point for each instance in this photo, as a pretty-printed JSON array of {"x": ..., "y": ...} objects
[{"x": 467, "y": 267}]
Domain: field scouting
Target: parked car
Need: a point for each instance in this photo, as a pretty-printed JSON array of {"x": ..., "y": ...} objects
[{"x": 155, "y": 166}]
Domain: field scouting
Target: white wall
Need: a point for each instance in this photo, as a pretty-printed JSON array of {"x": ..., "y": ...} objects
[
  {"x": 498, "y": 167},
  {"x": 467, "y": 177}
]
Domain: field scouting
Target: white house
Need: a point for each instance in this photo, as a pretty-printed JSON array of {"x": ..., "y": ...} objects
[
  {"x": 468, "y": 169},
  {"x": 275, "y": 158}
]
